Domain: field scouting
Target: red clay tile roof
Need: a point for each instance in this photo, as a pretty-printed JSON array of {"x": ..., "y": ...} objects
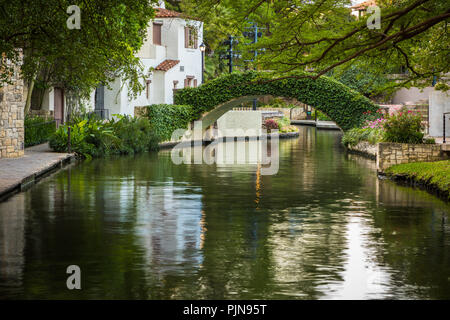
[
  {"x": 166, "y": 13},
  {"x": 364, "y": 5},
  {"x": 167, "y": 65}
]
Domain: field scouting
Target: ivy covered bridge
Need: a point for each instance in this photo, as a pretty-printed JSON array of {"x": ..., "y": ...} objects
[{"x": 208, "y": 102}]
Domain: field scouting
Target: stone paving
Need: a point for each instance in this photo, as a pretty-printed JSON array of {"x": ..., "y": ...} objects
[{"x": 36, "y": 160}]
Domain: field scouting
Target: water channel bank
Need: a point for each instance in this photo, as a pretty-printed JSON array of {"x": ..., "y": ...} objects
[
  {"x": 405, "y": 164},
  {"x": 431, "y": 176},
  {"x": 18, "y": 174}
]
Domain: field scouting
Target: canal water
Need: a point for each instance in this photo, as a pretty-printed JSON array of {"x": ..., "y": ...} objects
[{"x": 142, "y": 227}]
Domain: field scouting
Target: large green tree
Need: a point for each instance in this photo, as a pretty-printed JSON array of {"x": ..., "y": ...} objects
[
  {"x": 78, "y": 60},
  {"x": 318, "y": 36}
]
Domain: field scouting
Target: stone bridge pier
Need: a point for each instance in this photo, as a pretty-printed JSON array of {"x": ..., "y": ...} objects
[{"x": 12, "y": 104}]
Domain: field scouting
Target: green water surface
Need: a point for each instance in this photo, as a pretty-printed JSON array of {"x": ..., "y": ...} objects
[{"x": 324, "y": 227}]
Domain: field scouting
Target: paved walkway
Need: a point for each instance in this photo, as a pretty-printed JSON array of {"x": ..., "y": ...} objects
[
  {"x": 17, "y": 172},
  {"x": 319, "y": 124}
]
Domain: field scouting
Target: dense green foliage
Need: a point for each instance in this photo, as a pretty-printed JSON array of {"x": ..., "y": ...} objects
[
  {"x": 363, "y": 80},
  {"x": 92, "y": 137},
  {"x": 403, "y": 127},
  {"x": 434, "y": 173},
  {"x": 319, "y": 36},
  {"x": 38, "y": 130},
  {"x": 165, "y": 119},
  {"x": 342, "y": 104},
  {"x": 356, "y": 135},
  {"x": 104, "y": 47},
  {"x": 283, "y": 122},
  {"x": 277, "y": 102},
  {"x": 320, "y": 116}
]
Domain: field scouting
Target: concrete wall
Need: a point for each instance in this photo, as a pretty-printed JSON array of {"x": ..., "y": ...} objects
[
  {"x": 411, "y": 95},
  {"x": 389, "y": 154},
  {"x": 240, "y": 123},
  {"x": 12, "y": 104},
  {"x": 439, "y": 103}
]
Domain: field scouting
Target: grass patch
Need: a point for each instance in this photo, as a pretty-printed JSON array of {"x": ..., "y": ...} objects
[{"x": 434, "y": 174}]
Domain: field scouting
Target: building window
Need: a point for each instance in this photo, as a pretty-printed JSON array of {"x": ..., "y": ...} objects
[
  {"x": 190, "y": 38},
  {"x": 157, "y": 33},
  {"x": 175, "y": 83},
  {"x": 190, "y": 82},
  {"x": 147, "y": 88}
]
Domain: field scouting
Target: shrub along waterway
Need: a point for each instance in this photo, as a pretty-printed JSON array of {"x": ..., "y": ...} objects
[{"x": 142, "y": 227}]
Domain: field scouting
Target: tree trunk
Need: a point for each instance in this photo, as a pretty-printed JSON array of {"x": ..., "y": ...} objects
[
  {"x": 29, "y": 93},
  {"x": 30, "y": 90}
]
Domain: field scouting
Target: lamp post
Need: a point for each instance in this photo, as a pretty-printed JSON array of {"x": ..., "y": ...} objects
[{"x": 202, "y": 49}]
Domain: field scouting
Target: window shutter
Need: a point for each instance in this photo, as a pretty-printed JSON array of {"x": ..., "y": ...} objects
[
  {"x": 186, "y": 83},
  {"x": 156, "y": 34},
  {"x": 195, "y": 41},
  {"x": 195, "y": 83},
  {"x": 186, "y": 37}
]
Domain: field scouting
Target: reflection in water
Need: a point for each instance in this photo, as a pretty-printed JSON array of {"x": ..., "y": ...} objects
[
  {"x": 141, "y": 227},
  {"x": 12, "y": 242},
  {"x": 171, "y": 238}
]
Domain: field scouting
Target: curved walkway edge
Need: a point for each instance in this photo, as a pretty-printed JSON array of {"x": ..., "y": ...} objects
[{"x": 17, "y": 174}]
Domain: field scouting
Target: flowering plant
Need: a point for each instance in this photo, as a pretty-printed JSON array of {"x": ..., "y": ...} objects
[
  {"x": 371, "y": 116},
  {"x": 271, "y": 124},
  {"x": 403, "y": 127},
  {"x": 375, "y": 124}
]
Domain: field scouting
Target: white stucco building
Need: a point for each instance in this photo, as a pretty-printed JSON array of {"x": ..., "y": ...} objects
[{"x": 171, "y": 58}]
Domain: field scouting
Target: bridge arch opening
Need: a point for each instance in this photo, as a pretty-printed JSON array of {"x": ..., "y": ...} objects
[{"x": 210, "y": 101}]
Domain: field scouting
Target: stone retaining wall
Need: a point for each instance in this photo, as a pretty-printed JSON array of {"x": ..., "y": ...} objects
[
  {"x": 390, "y": 154},
  {"x": 365, "y": 148},
  {"x": 12, "y": 103}
]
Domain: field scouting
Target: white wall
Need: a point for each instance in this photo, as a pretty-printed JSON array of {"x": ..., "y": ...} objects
[
  {"x": 191, "y": 59},
  {"x": 48, "y": 103},
  {"x": 115, "y": 99},
  {"x": 148, "y": 49},
  {"x": 161, "y": 86},
  {"x": 240, "y": 123},
  {"x": 411, "y": 95},
  {"x": 439, "y": 103}
]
